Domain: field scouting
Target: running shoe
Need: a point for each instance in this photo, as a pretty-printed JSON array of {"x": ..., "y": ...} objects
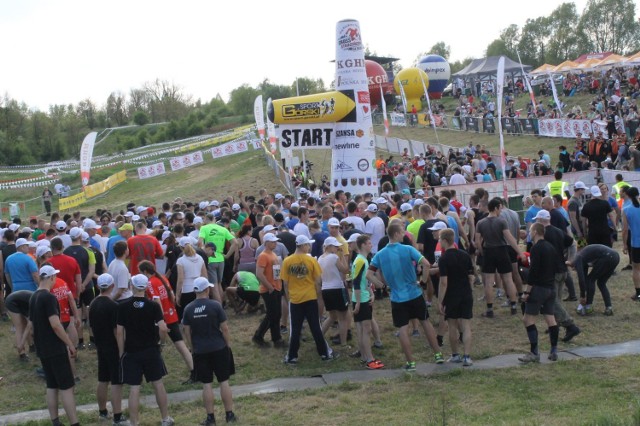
[
  {"x": 24, "y": 357},
  {"x": 283, "y": 329},
  {"x": 121, "y": 422},
  {"x": 168, "y": 422},
  {"x": 553, "y": 356},
  {"x": 332, "y": 355},
  {"x": 572, "y": 331},
  {"x": 207, "y": 422},
  {"x": 588, "y": 310},
  {"x": 410, "y": 366},
  {"x": 439, "y": 358},
  {"x": 455, "y": 358},
  {"x": 355, "y": 354},
  {"x": 231, "y": 417},
  {"x": 608, "y": 311},
  {"x": 487, "y": 314},
  {"x": 374, "y": 365},
  {"x": 530, "y": 357},
  {"x": 377, "y": 344},
  {"x": 104, "y": 417},
  {"x": 466, "y": 361},
  {"x": 415, "y": 333},
  {"x": 292, "y": 361}
]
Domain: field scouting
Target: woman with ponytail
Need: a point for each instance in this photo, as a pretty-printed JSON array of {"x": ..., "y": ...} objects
[
  {"x": 160, "y": 292},
  {"x": 631, "y": 235}
]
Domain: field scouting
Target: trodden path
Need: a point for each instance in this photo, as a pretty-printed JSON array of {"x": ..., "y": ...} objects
[{"x": 301, "y": 383}]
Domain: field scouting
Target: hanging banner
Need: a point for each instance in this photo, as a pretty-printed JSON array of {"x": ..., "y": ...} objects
[
  {"x": 86, "y": 155},
  {"x": 258, "y": 113},
  {"x": 306, "y": 136},
  {"x": 561, "y": 128},
  {"x": 257, "y": 144},
  {"x": 384, "y": 112},
  {"x": 398, "y": 119},
  {"x": 186, "y": 160},
  {"x": 152, "y": 170},
  {"x": 353, "y": 149},
  {"x": 229, "y": 148}
]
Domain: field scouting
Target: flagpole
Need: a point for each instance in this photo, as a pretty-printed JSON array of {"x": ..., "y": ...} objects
[
  {"x": 426, "y": 95},
  {"x": 384, "y": 112},
  {"x": 304, "y": 158},
  {"x": 529, "y": 88}
]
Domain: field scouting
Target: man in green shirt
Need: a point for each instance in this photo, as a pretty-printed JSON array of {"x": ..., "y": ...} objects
[
  {"x": 244, "y": 289},
  {"x": 224, "y": 243}
]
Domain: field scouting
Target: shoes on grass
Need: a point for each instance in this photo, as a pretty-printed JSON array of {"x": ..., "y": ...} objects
[
  {"x": 529, "y": 358},
  {"x": 410, "y": 366}
]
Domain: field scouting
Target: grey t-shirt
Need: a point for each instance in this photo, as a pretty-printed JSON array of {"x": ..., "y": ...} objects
[
  {"x": 204, "y": 316},
  {"x": 402, "y": 181},
  {"x": 513, "y": 221},
  {"x": 492, "y": 231}
]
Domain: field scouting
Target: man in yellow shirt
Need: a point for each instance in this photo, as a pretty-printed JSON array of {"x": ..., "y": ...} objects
[{"x": 301, "y": 275}]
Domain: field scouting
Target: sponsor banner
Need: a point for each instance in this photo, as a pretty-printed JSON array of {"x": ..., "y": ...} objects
[
  {"x": 230, "y": 148},
  {"x": 258, "y": 113},
  {"x": 510, "y": 125},
  {"x": 86, "y": 155},
  {"x": 598, "y": 126},
  {"x": 186, "y": 160},
  {"x": 328, "y": 107},
  {"x": 306, "y": 136},
  {"x": 353, "y": 146},
  {"x": 527, "y": 125},
  {"x": 257, "y": 144},
  {"x": 472, "y": 123},
  {"x": 68, "y": 203},
  {"x": 561, "y": 128},
  {"x": 150, "y": 171},
  {"x": 103, "y": 186},
  {"x": 398, "y": 119}
]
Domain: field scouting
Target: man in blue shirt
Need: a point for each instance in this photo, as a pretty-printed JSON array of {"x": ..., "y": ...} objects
[
  {"x": 396, "y": 263},
  {"x": 21, "y": 270}
]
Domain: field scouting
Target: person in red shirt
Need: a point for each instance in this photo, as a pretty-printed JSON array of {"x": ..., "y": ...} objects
[
  {"x": 160, "y": 291},
  {"x": 68, "y": 267},
  {"x": 143, "y": 247}
]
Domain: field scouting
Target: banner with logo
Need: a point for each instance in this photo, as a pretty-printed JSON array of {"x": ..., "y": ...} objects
[
  {"x": 527, "y": 125},
  {"x": 398, "y": 119},
  {"x": 186, "y": 160},
  {"x": 564, "y": 128},
  {"x": 306, "y": 136},
  {"x": 103, "y": 186},
  {"x": 257, "y": 144},
  {"x": 86, "y": 155},
  {"x": 68, "y": 203},
  {"x": 258, "y": 113},
  {"x": 229, "y": 148},
  {"x": 328, "y": 107},
  {"x": 151, "y": 170}
]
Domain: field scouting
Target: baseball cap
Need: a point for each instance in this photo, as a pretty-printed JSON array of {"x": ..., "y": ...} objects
[
  {"x": 197, "y": 220},
  {"x": 333, "y": 222},
  {"x": 156, "y": 223},
  {"x": 406, "y": 192},
  {"x": 200, "y": 284},
  {"x": 85, "y": 236},
  {"x": 405, "y": 207},
  {"x": 418, "y": 202},
  {"x": 270, "y": 238},
  {"x": 211, "y": 245},
  {"x": 139, "y": 281},
  {"x": 235, "y": 207},
  {"x": 26, "y": 229},
  {"x": 595, "y": 191},
  {"x": 48, "y": 271},
  {"x": 353, "y": 238},
  {"x": 165, "y": 235},
  {"x": 203, "y": 205},
  {"x": 135, "y": 218},
  {"x": 14, "y": 227},
  {"x": 61, "y": 225},
  {"x": 303, "y": 239},
  {"x": 75, "y": 233},
  {"x": 128, "y": 214},
  {"x": 279, "y": 196},
  {"x": 419, "y": 192},
  {"x": 543, "y": 214},
  {"x": 22, "y": 241},
  {"x": 381, "y": 200},
  {"x": 438, "y": 226},
  {"x": 42, "y": 250},
  {"x": 268, "y": 228},
  {"x": 372, "y": 208},
  {"x": 90, "y": 224},
  {"x": 183, "y": 241},
  {"x": 140, "y": 209},
  {"x": 126, "y": 227},
  {"x": 331, "y": 241},
  {"x": 105, "y": 280},
  {"x": 303, "y": 190},
  {"x": 214, "y": 203},
  {"x": 295, "y": 205},
  {"x": 579, "y": 185}
]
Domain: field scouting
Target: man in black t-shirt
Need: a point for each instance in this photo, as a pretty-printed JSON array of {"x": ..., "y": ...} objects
[
  {"x": 539, "y": 296},
  {"x": 53, "y": 347},
  {"x": 140, "y": 323},
  {"x": 456, "y": 296},
  {"x": 103, "y": 316},
  {"x": 205, "y": 326},
  {"x": 596, "y": 212}
]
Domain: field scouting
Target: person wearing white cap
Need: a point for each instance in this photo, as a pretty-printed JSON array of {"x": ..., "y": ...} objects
[
  {"x": 595, "y": 212},
  {"x": 61, "y": 228},
  {"x": 374, "y": 227},
  {"x": 334, "y": 231},
  {"x": 206, "y": 327},
  {"x": 103, "y": 315},
  {"x": 335, "y": 266},
  {"x": 53, "y": 347},
  {"x": 20, "y": 269},
  {"x": 301, "y": 277},
  {"x": 139, "y": 329}
]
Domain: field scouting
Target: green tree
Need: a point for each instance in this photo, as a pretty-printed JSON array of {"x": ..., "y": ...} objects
[
  {"x": 307, "y": 86},
  {"x": 440, "y": 48},
  {"x": 458, "y": 65},
  {"x": 242, "y": 98},
  {"x": 563, "y": 38},
  {"x": 610, "y": 25},
  {"x": 534, "y": 40},
  {"x": 273, "y": 91},
  {"x": 143, "y": 137},
  {"x": 140, "y": 118}
]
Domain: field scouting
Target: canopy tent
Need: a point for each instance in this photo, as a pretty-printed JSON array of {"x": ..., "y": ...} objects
[
  {"x": 487, "y": 69},
  {"x": 543, "y": 69},
  {"x": 588, "y": 65},
  {"x": 633, "y": 59},
  {"x": 611, "y": 61},
  {"x": 566, "y": 66},
  {"x": 465, "y": 71}
]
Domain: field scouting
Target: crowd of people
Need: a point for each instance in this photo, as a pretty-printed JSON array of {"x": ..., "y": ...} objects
[{"x": 128, "y": 280}]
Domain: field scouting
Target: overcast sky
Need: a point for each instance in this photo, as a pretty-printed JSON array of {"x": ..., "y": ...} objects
[{"x": 67, "y": 50}]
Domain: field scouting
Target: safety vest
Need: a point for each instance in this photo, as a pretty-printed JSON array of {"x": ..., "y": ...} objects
[
  {"x": 558, "y": 187},
  {"x": 616, "y": 189}
]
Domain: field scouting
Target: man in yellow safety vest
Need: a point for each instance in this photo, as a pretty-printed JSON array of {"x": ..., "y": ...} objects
[
  {"x": 615, "y": 188},
  {"x": 558, "y": 186}
]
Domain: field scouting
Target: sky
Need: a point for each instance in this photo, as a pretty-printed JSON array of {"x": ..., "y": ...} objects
[{"x": 59, "y": 52}]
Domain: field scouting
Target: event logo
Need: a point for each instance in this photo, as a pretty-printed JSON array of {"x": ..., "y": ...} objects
[
  {"x": 349, "y": 63},
  {"x": 364, "y": 98},
  {"x": 296, "y": 138},
  {"x": 348, "y": 81},
  {"x": 349, "y": 38},
  {"x": 434, "y": 70},
  {"x": 363, "y": 165},
  {"x": 345, "y": 133},
  {"x": 360, "y": 133},
  {"x": 377, "y": 79},
  {"x": 341, "y": 166},
  {"x": 309, "y": 110}
]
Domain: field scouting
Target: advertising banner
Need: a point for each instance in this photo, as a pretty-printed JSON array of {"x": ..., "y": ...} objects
[
  {"x": 336, "y": 106},
  {"x": 151, "y": 170},
  {"x": 186, "y": 160},
  {"x": 306, "y": 136},
  {"x": 398, "y": 119},
  {"x": 86, "y": 155}
]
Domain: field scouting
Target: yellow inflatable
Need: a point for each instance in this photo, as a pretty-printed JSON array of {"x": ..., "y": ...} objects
[{"x": 328, "y": 107}]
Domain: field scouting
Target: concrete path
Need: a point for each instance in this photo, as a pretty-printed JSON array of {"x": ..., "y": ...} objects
[{"x": 356, "y": 376}]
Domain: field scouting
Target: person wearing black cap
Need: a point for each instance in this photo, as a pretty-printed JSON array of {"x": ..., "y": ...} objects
[
  {"x": 103, "y": 315},
  {"x": 53, "y": 347},
  {"x": 140, "y": 324},
  {"x": 205, "y": 327}
]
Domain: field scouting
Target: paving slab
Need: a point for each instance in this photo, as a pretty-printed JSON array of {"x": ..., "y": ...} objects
[
  {"x": 359, "y": 376},
  {"x": 608, "y": 351}
]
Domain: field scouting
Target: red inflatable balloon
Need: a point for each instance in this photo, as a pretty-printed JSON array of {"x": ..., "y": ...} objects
[{"x": 377, "y": 76}]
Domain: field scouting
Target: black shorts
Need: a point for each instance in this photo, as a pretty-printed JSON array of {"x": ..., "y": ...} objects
[
  {"x": 57, "y": 372},
  {"x": 335, "y": 299},
  {"x": 147, "y": 363},
  {"x": 458, "y": 308},
  {"x": 185, "y": 299},
  {"x": 109, "y": 366},
  {"x": 365, "y": 313},
  {"x": 87, "y": 296},
  {"x": 540, "y": 301},
  {"x": 402, "y": 312},
  {"x": 513, "y": 255},
  {"x": 219, "y": 362},
  {"x": 496, "y": 259},
  {"x": 251, "y": 297},
  {"x": 635, "y": 254},
  {"x": 174, "y": 332}
]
